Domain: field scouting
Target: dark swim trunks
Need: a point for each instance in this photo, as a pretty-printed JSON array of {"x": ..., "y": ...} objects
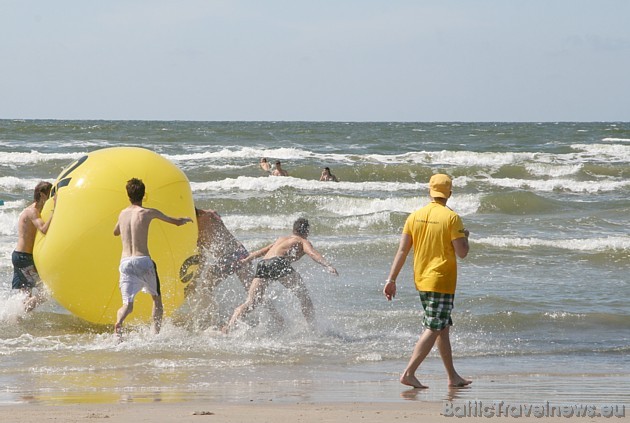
[
  {"x": 25, "y": 274},
  {"x": 274, "y": 268}
]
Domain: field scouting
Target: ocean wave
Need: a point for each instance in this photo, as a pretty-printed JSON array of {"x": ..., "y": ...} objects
[
  {"x": 462, "y": 158},
  {"x": 623, "y": 140},
  {"x": 464, "y": 204},
  {"x": 248, "y": 183},
  {"x": 12, "y": 183},
  {"x": 458, "y": 158},
  {"x": 428, "y": 158},
  {"x": 569, "y": 185},
  {"x": 339, "y": 211},
  {"x": 239, "y": 222},
  {"x": 616, "y": 243},
  {"x": 37, "y": 157},
  {"x": 8, "y": 223},
  {"x": 553, "y": 170},
  {"x": 361, "y": 206},
  {"x": 253, "y": 154},
  {"x": 88, "y": 145},
  {"x": 557, "y": 164},
  {"x": 364, "y": 221},
  {"x": 518, "y": 203},
  {"x": 598, "y": 170},
  {"x": 604, "y": 152}
]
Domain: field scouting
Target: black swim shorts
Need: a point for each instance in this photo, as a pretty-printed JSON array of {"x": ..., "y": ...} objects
[
  {"x": 25, "y": 274},
  {"x": 274, "y": 268}
]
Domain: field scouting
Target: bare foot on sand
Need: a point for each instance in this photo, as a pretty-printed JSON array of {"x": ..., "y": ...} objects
[
  {"x": 459, "y": 382},
  {"x": 412, "y": 381}
]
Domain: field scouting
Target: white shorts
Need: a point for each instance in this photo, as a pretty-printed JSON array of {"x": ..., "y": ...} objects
[{"x": 138, "y": 273}]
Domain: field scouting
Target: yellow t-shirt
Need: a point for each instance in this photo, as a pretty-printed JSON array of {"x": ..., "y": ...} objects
[{"x": 432, "y": 230}]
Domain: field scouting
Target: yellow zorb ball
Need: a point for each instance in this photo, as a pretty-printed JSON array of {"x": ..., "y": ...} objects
[{"x": 78, "y": 257}]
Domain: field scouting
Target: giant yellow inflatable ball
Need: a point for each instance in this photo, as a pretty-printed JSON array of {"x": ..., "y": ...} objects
[{"x": 79, "y": 256}]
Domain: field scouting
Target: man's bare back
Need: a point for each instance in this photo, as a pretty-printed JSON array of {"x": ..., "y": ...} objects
[
  {"x": 291, "y": 247},
  {"x": 29, "y": 222},
  {"x": 213, "y": 235},
  {"x": 133, "y": 228}
]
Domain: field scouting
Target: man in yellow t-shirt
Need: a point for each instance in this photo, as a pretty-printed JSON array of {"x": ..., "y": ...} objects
[{"x": 437, "y": 236}]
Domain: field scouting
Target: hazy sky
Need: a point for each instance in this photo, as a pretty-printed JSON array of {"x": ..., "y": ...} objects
[{"x": 338, "y": 60}]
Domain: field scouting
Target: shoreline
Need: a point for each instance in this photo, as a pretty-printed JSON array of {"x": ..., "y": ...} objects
[
  {"x": 324, "y": 400},
  {"x": 317, "y": 384}
]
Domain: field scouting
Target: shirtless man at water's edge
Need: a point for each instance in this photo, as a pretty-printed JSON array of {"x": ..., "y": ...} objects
[{"x": 276, "y": 265}]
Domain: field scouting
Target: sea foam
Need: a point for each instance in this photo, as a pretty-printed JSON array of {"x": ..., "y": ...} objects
[{"x": 617, "y": 243}]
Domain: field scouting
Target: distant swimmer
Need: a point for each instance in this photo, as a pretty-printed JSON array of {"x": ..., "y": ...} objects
[
  {"x": 278, "y": 171},
  {"x": 327, "y": 176},
  {"x": 25, "y": 276},
  {"x": 437, "y": 235},
  {"x": 137, "y": 271},
  {"x": 265, "y": 165},
  {"x": 216, "y": 241},
  {"x": 276, "y": 266}
]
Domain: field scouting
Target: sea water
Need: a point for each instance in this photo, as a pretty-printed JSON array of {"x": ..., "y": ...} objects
[{"x": 541, "y": 309}]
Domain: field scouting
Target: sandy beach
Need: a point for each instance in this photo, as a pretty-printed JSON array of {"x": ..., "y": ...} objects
[
  {"x": 201, "y": 411},
  {"x": 211, "y": 412}
]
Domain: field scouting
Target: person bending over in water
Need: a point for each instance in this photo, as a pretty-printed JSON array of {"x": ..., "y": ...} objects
[
  {"x": 276, "y": 266},
  {"x": 215, "y": 240},
  {"x": 137, "y": 270},
  {"x": 327, "y": 176},
  {"x": 265, "y": 165},
  {"x": 25, "y": 276}
]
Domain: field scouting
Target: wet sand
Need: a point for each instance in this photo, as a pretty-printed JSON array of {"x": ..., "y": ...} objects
[{"x": 324, "y": 400}]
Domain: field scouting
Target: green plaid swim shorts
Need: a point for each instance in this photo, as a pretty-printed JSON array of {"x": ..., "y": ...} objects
[{"x": 437, "y": 309}]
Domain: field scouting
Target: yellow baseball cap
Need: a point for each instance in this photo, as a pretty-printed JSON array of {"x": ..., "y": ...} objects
[{"x": 440, "y": 186}]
